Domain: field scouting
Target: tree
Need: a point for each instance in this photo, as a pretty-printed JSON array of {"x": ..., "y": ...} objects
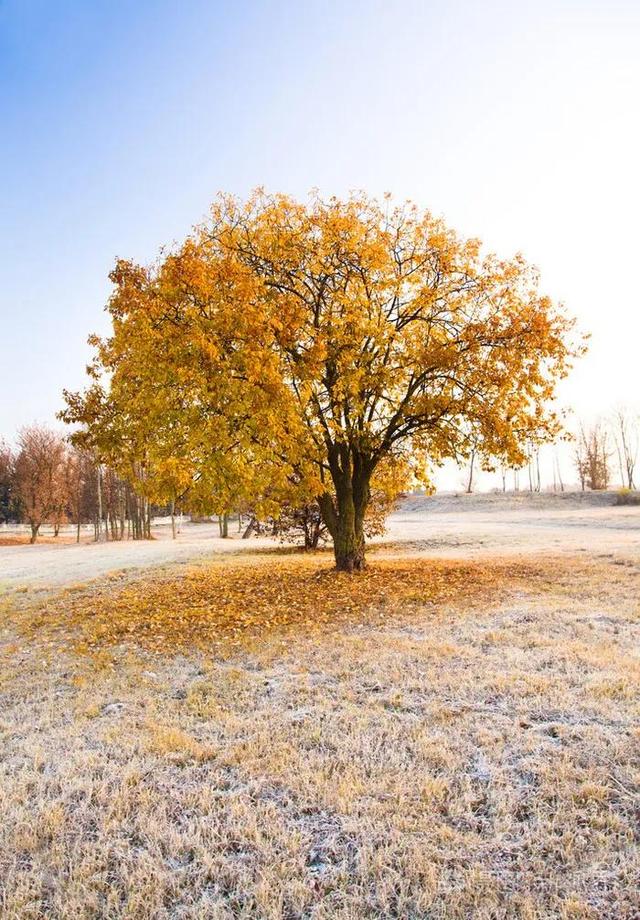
[
  {"x": 627, "y": 438},
  {"x": 7, "y": 505},
  {"x": 81, "y": 475},
  {"x": 592, "y": 456},
  {"x": 324, "y": 341},
  {"x": 39, "y": 475},
  {"x": 472, "y": 461}
]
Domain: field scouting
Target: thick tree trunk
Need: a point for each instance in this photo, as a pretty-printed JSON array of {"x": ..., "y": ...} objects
[
  {"x": 343, "y": 516},
  {"x": 34, "y": 532},
  {"x": 348, "y": 547}
]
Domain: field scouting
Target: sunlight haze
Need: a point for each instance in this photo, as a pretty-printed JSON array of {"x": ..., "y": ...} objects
[{"x": 516, "y": 122}]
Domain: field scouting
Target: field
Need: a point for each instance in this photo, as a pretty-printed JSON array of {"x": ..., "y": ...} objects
[{"x": 190, "y": 733}]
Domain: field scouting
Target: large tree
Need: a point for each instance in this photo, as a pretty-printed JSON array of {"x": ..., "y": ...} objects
[{"x": 327, "y": 343}]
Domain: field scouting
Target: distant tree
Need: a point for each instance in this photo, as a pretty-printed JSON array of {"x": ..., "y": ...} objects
[
  {"x": 557, "y": 472},
  {"x": 7, "y": 503},
  {"x": 626, "y": 435},
  {"x": 80, "y": 474},
  {"x": 592, "y": 456},
  {"x": 39, "y": 476}
]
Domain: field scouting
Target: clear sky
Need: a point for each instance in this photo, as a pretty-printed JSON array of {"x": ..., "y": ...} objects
[{"x": 517, "y": 121}]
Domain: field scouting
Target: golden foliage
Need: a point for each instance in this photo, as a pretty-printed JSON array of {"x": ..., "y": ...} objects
[
  {"x": 308, "y": 345},
  {"x": 222, "y": 605}
]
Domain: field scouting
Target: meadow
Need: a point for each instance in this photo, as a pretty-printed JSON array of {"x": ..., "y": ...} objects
[{"x": 453, "y": 734}]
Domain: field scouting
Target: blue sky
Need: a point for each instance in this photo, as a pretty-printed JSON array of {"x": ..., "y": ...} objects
[{"x": 121, "y": 120}]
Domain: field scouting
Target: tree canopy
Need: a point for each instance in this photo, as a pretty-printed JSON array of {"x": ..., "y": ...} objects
[{"x": 320, "y": 350}]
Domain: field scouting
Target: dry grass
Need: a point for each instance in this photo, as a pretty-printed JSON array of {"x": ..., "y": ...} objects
[
  {"x": 22, "y": 539},
  {"x": 228, "y": 603},
  {"x": 444, "y": 740}
]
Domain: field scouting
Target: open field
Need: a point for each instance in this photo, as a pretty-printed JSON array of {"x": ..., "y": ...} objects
[
  {"x": 461, "y": 526},
  {"x": 248, "y": 735}
]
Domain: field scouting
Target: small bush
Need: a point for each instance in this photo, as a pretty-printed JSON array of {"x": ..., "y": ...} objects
[{"x": 627, "y": 497}]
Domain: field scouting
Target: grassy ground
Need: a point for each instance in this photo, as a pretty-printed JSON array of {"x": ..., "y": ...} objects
[{"x": 261, "y": 739}]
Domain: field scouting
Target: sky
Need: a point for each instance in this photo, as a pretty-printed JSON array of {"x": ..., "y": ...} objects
[{"x": 516, "y": 121}]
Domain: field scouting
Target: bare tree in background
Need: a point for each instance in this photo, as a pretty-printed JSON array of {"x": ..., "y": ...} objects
[
  {"x": 557, "y": 472},
  {"x": 39, "y": 475},
  {"x": 81, "y": 486},
  {"x": 626, "y": 436},
  {"x": 592, "y": 456},
  {"x": 533, "y": 467},
  {"x": 7, "y": 459}
]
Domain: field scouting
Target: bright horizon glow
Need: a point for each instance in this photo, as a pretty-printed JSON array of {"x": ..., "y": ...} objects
[{"x": 515, "y": 122}]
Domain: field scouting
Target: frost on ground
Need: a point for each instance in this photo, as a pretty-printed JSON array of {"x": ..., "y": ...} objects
[
  {"x": 460, "y": 526},
  {"x": 458, "y": 741}
]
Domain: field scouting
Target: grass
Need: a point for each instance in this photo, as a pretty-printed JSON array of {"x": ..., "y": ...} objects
[
  {"x": 441, "y": 740},
  {"x": 22, "y": 539}
]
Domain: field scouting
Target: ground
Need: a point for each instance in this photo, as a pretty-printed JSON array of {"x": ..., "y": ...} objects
[{"x": 453, "y": 735}]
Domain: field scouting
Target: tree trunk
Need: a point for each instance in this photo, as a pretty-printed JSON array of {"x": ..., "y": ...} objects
[
  {"x": 173, "y": 519},
  {"x": 348, "y": 547},
  {"x": 249, "y": 530},
  {"x": 471, "y": 466},
  {"x": 344, "y": 519},
  {"x": 99, "y": 520},
  {"x": 34, "y": 533}
]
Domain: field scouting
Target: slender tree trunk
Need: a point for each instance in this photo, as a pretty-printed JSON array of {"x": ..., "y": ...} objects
[
  {"x": 470, "y": 480},
  {"x": 99, "y": 522},
  {"x": 78, "y": 503},
  {"x": 249, "y": 529},
  {"x": 173, "y": 518},
  {"x": 34, "y": 532}
]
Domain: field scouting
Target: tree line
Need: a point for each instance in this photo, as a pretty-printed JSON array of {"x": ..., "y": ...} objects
[
  {"x": 601, "y": 452},
  {"x": 609, "y": 444},
  {"x": 45, "y": 479}
]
